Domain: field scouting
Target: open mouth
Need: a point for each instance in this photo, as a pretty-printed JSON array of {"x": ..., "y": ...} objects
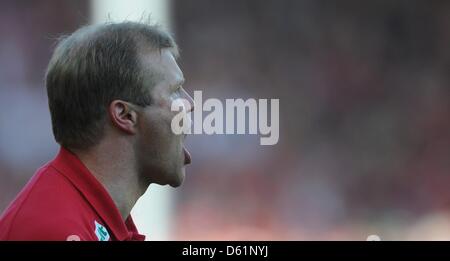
[{"x": 187, "y": 156}]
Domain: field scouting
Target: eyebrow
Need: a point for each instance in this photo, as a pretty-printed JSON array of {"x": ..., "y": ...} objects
[{"x": 175, "y": 52}]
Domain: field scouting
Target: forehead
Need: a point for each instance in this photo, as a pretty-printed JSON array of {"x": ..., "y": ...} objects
[{"x": 162, "y": 63}]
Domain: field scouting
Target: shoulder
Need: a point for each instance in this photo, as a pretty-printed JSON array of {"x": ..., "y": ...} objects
[
  {"x": 48, "y": 208},
  {"x": 48, "y": 230}
]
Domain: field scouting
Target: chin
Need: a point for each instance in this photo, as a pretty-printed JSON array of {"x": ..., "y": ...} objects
[
  {"x": 176, "y": 184},
  {"x": 178, "y": 180}
]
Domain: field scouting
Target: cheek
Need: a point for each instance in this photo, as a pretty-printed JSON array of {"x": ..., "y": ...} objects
[
  {"x": 156, "y": 128},
  {"x": 164, "y": 104},
  {"x": 165, "y": 110}
]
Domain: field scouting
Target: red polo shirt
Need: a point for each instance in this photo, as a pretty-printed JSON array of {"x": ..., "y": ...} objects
[{"x": 64, "y": 201}]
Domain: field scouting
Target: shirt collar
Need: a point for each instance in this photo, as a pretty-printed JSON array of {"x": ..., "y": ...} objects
[{"x": 69, "y": 165}]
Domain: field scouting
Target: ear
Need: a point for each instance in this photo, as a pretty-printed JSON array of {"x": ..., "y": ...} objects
[{"x": 123, "y": 116}]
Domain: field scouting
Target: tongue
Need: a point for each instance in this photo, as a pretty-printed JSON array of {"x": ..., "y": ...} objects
[{"x": 187, "y": 156}]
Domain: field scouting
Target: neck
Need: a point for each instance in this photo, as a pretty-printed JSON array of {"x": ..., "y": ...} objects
[{"x": 115, "y": 168}]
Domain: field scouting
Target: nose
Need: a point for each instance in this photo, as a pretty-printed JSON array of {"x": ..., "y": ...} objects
[{"x": 191, "y": 104}]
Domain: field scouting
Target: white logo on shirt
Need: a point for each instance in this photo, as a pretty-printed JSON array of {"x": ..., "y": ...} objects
[
  {"x": 101, "y": 232},
  {"x": 73, "y": 238}
]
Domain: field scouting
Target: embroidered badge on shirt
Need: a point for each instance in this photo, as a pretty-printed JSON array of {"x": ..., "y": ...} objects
[{"x": 101, "y": 232}]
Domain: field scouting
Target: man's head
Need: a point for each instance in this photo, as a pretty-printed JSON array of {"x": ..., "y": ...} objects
[{"x": 117, "y": 81}]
